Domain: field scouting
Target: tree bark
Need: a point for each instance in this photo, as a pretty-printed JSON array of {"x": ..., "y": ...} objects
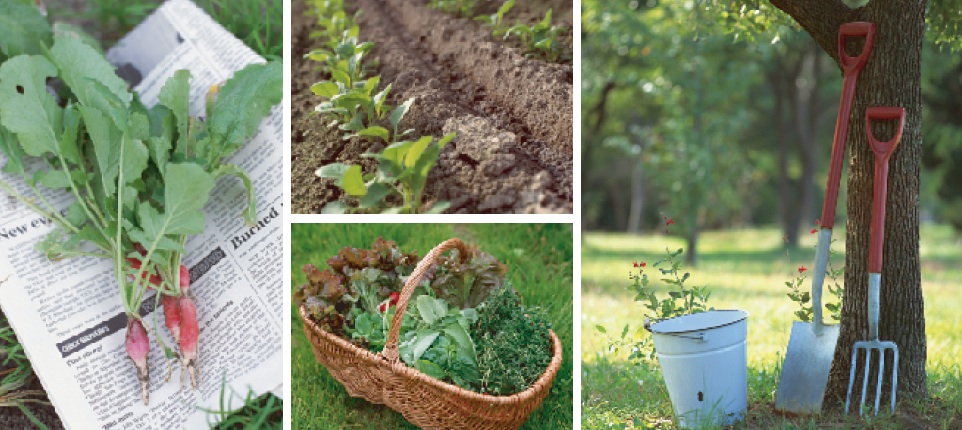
[
  {"x": 637, "y": 196},
  {"x": 892, "y": 77}
]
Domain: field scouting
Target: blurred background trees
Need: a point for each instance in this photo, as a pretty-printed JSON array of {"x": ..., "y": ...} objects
[{"x": 722, "y": 117}]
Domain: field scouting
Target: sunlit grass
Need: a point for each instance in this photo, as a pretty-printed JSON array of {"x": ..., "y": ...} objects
[{"x": 745, "y": 269}]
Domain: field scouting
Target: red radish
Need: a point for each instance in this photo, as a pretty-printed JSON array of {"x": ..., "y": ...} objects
[
  {"x": 172, "y": 315},
  {"x": 184, "y": 279},
  {"x": 172, "y": 304},
  {"x": 390, "y": 301},
  {"x": 188, "y": 339},
  {"x": 138, "y": 345},
  {"x": 154, "y": 278}
]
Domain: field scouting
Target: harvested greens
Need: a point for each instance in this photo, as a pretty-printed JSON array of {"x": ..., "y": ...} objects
[{"x": 464, "y": 324}]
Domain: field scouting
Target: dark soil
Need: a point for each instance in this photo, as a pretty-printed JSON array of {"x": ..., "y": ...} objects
[{"x": 513, "y": 114}]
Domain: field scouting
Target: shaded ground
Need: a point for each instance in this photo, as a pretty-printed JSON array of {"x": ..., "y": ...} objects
[
  {"x": 11, "y": 417},
  {"x": 513, "y": 115}
]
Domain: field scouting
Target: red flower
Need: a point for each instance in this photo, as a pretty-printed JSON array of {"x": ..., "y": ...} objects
[
  {"x": 816, "y": 222},
  {"x": 802, "y": 269},
  {"x": 643, "y": 264},
  {"x": 814, "y": 230},
  {"x": 385, "y": 305},
  {"x": 393, "y": 297},
  {"x": 669, "y": 221}
]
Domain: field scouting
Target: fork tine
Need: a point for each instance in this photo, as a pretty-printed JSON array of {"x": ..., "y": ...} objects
[
  {"x": 881, "y": 375},
  {"x": 895, "y": 375},
  {"x": 868, "y": 363},
  {"x": 851, "y": 378}
]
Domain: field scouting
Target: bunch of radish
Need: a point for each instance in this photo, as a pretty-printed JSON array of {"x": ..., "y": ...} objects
[{"x": 139, "y": 177}]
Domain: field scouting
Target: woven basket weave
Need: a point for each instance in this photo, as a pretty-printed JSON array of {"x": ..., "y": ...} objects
[{"x": 425, "y": 401}]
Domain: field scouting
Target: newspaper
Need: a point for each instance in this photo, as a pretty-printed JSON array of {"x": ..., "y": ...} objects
[{"x": 68, "y": 314}]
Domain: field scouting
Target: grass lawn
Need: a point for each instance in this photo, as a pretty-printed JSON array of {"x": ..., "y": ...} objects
[
  {"x": 539, "y": 258},
  {"x": 747, "y": 269}
]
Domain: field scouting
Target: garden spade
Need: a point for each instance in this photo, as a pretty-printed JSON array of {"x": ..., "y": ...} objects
[
  {"x": 811, "y": 346},
  {"x": 882, "y": 150}
]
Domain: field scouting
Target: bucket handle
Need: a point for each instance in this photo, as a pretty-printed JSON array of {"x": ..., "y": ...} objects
[{"x": 700, "y": 337}]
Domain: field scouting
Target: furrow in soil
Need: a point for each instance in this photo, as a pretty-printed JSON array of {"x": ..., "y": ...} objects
[{"x": 513, "y": 150}]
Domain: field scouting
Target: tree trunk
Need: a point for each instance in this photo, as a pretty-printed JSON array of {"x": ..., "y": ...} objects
[
  {"x": 637, "y": 196},
  {"x": 892, "y": 77}
]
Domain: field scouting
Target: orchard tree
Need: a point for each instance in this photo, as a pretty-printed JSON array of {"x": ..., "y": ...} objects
[
  {"x": 677, "y": 88},
  {"x": 892, "y": 77}
]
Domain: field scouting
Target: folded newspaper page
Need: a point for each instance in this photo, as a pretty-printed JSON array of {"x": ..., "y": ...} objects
[{"x": 68, "y": 314}]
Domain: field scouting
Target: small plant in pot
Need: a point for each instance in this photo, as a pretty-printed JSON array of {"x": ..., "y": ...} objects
[{"x": 701, "y": 351}]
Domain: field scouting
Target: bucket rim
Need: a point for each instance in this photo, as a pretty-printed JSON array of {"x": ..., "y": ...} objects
[{"x": 744, "y": 316}]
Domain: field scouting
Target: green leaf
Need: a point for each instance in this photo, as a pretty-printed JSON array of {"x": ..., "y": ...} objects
[
  {"x": 439, "y": 208},
  {"x": 353, "y": 182},
  {"x": 64, "y": 29},
  {"x": 430, "y": 308},
  {"x": 341, "y": 76},
  {"x": 601, "y": 329},
  {"x": 186, "y": 190},
  {"x": 23, "y": 30},
  {"x": 104, "y": 137},
  {"x": 430, "y": 369},
  {"x": 375, "y": 195},
  {"x": 376, "y": 131},
  {"x": 79, "y": 62},
  {"x": 325, "y": 89},
  {"x": 400, "y": 111},
  {"x": 395, "y": 153},
  {"x": 422, "y": 341},
  {"x": 412, "y": 156},
  {"x": 461, "y": 338},
  {"x": 76, "y": 214},
  {"x": 334, "y": 208},
  {"x": 332, "y": 171},
  {"x": 26, "y": 108},
  {"x": 250, "y": 211},
  {"x": 55, "y": 179},
  {"x": 69, "y": 149},
  {"x": 13, "y": 151},
  {"x": 175, "y": 96},
  {"x": 244, "y": 101}
]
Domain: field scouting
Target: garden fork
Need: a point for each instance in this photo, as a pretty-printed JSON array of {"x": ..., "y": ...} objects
[{"x": 882, "y": 150}]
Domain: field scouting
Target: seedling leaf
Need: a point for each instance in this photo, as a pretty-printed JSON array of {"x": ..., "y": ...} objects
[
  {"x": 353, "y": 182},
  {"x": 399, "y": 112}
]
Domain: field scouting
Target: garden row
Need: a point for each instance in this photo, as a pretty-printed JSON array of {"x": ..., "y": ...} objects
[{"x": 511, "y": 115}]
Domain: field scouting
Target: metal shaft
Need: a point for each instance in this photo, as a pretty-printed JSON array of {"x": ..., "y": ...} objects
[
  {"x": 818, "y": 276},
  {"x": 874, "y": 281}
]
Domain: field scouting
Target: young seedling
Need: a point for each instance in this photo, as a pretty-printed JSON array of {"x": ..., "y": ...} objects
[
  {"x": 403, "y": 168},
  {"x": 496, "y": 20},
  {"x": 345, "y": 57},
  {"x": 463, "y": 8},
  {"x": 541, "y": 39}
]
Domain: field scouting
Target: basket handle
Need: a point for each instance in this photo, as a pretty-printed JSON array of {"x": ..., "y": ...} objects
[{"x": 390, "y": 351}]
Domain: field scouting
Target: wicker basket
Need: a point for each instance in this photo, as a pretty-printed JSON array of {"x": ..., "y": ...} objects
[{"x": 425, "y": 401}]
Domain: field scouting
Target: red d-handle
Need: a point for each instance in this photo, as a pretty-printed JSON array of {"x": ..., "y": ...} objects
[
  {"x": 855, "y": 29},
  {"x": 882, "y": 150}
]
